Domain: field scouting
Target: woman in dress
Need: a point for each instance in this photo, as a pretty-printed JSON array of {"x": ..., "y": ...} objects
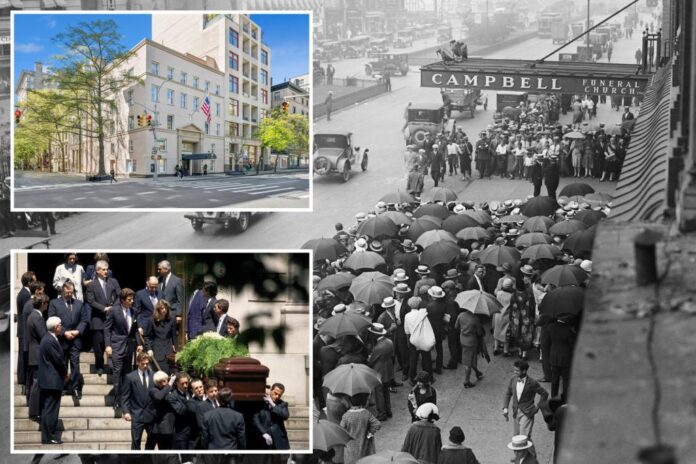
[
  {"x": 522, "y": 316},
  {"x": 160, "y": 335},
  {"x": 362, "y": 426},
  {"x": 611, "y": 160},
  {"x": 420, "y": 394},
  {"x": 471, "y": 334},
  {"x": 501, "y": 320},
  {"x": 423, "y": 440}
]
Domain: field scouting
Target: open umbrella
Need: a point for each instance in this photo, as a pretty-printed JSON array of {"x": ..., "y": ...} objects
[
  {"x": 324, "y": 248},
  {"x": 473, "y": 233},
  {"x": 363, "y": 260},
  {"x": 576, "y": 188},
  {"x": 371, "y": 287},
  {"x": 499, "y": 254},
  {"x": 590, "y": 217},
  {"x": 352, "y": 379},
  {"x": 513, "y": 219},
  {"x": 574, "y": 135},
  {"x": 431, "y": 209},
  {"x": 563, "y": 300},
  {"x": 423, "y": 224},
  {"x": 589, "y": 126},
  {"x": 567, "y": 227},
  {"x": 478, "y": 302},
  {"x": 398, "y": 197},
  {"x": 511, "y": 111},
  {"x": 397, "y": 217},
  {"x": 442, "y": 194},
  {"x": 378, "y": 226},
  {"x": 327, "y": 434},
  {"x": 483, "y": 218},
  {"x": 563, "y": 275},
  {"x": 434, "y": 236},
  {"x": 539, "y": 206},
  {"x": 541, "y": 251},
  {"x": 532, "y": 238},
  {"x": 336, "y": 281},
  {"x": 580, "y": 243},
  {"x": 538, "y": 224},
  {"x": 388, "y": 457},
  {"x": 440, "y": 253},
  {"x": 342, "y": 324},
  {"x": 457, "y": 222},
  {"x": 597, "y": 198}
]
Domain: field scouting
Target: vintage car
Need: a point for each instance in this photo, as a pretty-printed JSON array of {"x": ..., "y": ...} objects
[
  {"x": 427, "y": 119},
  {"x": 227, "y": 219},
  {"x": 334, "y": 153},
  {"x": 463, "y": 100},
  {"x": 355, "y": 47},
  {"x": 377, "y": 47},
  {"x": 510, "y": 99},
  {"x": 388, "y": 62},
  {"x": 404, "y": 38}
]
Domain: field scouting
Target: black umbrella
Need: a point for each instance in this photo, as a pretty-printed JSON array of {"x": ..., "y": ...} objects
[
  {"x": 325, "y": 248},
  {"x": 580, "y": 242},
  {"x": 378, "y": 226},
  {"x": 538, "y": 224},
  {"x": 539, "y": 206},
  {"x": 563, "y": 300},
  {"x": 590, "y": 217},
  {"x": 576, "y": 188},
  {"x": 423, "y": 224},
  {"x": 457, "y": 222},
  {"x": 431, "y": 209}
]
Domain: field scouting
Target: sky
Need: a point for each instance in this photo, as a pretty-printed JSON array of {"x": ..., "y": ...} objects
[{"x": 286, "y": 34}]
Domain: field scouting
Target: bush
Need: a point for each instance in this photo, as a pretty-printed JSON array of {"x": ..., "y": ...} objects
[{"x": 200, "y": 355}]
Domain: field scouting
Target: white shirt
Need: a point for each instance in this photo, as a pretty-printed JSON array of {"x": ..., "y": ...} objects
[
  {"x": 129, "y": 317},
  {"x": 220, "y": 322},
  {"x": 410, "y": 321},
  {"x": 140, "y": 374},
  {"x": 520, "y": 387}
]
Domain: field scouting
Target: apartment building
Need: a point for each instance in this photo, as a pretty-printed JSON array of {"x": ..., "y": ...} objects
[{"x": 297, "y": 98}]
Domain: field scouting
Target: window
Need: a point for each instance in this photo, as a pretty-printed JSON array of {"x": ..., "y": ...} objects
[
  {"x": 212, "y": 147},
  {"x": 217, "y": 90},
  {"x": 207, "y": 86},
  {"x": 262, "y": 113},
  {"x": 217, "y": 109},
  {"x": 234, "y": 130},
  {"x": 112, "y": 128},
  {"x": 162, "y": 144},
  {"x": 264, "y": 76},
  {"x": 131, "y": 122},
  {"x": 264, "y": 57},
  {"x": 195, "y": 104},
  {"x": 170, "y": 121},
  {"x": 129, "y": 97},
  {"x": 182, "y": 79},
  {"x": 234, "y": 38},
  {"x": 207, "y": 128},
  {"x": 217, "y": 132},
  {"x": 234, "y": 84},
  {"x": 182, "y": 100},
  {"x": 154, "y": 93},
  {"x": 130, "y": 146},
  {"x": 234, "y": 108},
  {"x": 170, "y": 72},
  {"x": 195, "y": 82},
  {"x": 264, "y": 96},
  {"x": 170, "y": 97},
  {"x": 113, "y": 148},
  {"x": 154, "y": 68},
  {"x": 234, "y": 61}
]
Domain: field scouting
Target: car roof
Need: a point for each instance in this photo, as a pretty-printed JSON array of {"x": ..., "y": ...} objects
[
  {"x": 426, "y": 106},
  {"x": 344, "y": 133}
]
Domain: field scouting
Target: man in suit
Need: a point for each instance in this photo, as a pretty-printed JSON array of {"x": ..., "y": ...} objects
[
  {"x": 178, "y": 400},
  {"x": 101, "y": 294},
  {"x": 382, "y": 360},
  {"x": 209, "y": 317},
  {"x": 171, "y": 289},
  {"x": 562, "y": 335},
  {"x": 477, "y": 282},
  {"x": 23, "y": 297},
  {"x": 163, "y": 426},
  {"x": 36, "y": 288},
  {"x": 269, "y": 421},
  {"x": 74, "y": 317},
  {"x": 223, "y": 427},
  {"x": 138, "y": 408},
  {"x": 34, "y": 331},
  {"x": 232, "y": 328},
  {"x": 119, "y": 337},
  {"x": 193, "y": 406},
  {"x": 407, "y": 259},
  {"x": 145, "y": 301},
  {"x": 401, "y": 294},
  {"x": 437, "y": 308},
  {"x": 220, "y": 308},
  {"x": 53, "y": 375},
  {"x": 523, "y": 390}
]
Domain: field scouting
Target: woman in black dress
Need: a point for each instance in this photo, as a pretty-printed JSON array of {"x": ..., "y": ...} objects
[
  {"x": 422, "y": 393},
  {"x": 160, "y": 337}
]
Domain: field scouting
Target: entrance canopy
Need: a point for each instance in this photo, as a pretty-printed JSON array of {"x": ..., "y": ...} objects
[
  {"x": 531, "y": 76},
  {"x": 198, "y": 156}
]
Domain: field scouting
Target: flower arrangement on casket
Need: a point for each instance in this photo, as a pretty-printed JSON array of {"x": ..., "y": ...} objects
[{"x": 199, "y": 355}]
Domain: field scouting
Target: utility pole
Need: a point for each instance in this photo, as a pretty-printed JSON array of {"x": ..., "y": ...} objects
[{"x": 587, "y": 39}]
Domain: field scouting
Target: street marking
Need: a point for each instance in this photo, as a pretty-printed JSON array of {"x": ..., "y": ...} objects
[
  {"x": 120, "y": 198},
  {"x": 145, "y": 193},
  {"x": 269, "y": 191}
]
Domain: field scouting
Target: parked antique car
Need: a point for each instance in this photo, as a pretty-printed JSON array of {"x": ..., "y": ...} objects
[
  {"x": 404, "y": 38},
  {"x": 227, "y": 219},
  {"x": 377, "y": 47},
  {"x": 388, "y": 62},
  {"x": 463, "y": 100},
  {"x": 424, "y": 119},
  {"x": 334, "y": 153}
]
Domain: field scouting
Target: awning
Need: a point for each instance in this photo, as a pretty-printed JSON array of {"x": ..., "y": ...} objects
[
  {"x": 198, "y": 156},
  {"x": 641, "y": 193},
  {"x": 49, "y": 4}
]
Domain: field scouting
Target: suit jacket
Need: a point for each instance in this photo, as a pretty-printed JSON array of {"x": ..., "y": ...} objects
[
  {"x": 436, "y": 311},
  {"x": 223, "y": 429},
  {"x": 182, "y": 423},
  {"x": 26, "y": 311},
  {"x": 194, "y": 320},
  {"x": 409, "y": 263},
  {"x": 160, "y": 336},
  {"x": 52, "y": 369},
  {"x": 164, "y": 414},
  {"x": 328, "y": 357},
  {"x": 144, "y": 309},
  {"x": 192, "y": 407},
  {"x": 99, "y": 300},
  {"x": 223, "y": 327},
  {"x": 382, "y": 359},
  {"x": 562, "y": 337},
  {"x": 77, "y": 319},
  {"x": 173, "y": 293},
  {"x": 35, "y": 329},
  {"x": 272, "y": 421},
  {"x": 116, "y": 333},
  {"x": 23, "y": 296},
  {"x": 209, "y": 319},
  {"x": 526, "y": 401},
  {"x": 135, "y": 397}
]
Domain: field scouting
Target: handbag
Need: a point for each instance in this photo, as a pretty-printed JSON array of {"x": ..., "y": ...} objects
[{"x": 423, "y": 337}]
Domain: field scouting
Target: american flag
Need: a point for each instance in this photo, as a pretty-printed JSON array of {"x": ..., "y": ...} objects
[{"x": 205, "y": 108}]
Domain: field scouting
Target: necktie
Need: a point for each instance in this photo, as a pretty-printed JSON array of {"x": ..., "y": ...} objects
[
  {"x": 69, "y": 308},
  {"x": 520, "y": 380},
  {"x": 144, "y": 380},
  {"x": 103, "y": 285}
]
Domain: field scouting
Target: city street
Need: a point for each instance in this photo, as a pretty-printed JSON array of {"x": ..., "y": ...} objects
[{"x": 199, "y": 192}]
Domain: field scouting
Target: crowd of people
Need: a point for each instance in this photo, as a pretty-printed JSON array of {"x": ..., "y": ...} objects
[
  {"x": 136, "y": 330},
  {"x": 407, "y": 329}
]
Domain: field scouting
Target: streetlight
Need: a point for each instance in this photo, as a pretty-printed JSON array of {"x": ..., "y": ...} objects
[{"x": 154, "y": 132}]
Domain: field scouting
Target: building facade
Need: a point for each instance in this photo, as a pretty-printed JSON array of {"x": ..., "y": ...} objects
[{"x": 297, "y": 98}]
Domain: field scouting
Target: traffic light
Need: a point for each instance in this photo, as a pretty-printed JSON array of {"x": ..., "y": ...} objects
[
  {"x": 149, "y": 120},
  {"x": 18, "y": 115},
  {"x": 285, "y": 106},
  {"x": 140, "y": 120}
]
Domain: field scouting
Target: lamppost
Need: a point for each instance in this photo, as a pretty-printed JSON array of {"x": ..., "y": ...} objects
[{"x": 154, "y": 132}]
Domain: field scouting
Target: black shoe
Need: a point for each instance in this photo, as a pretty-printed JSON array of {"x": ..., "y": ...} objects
[
  {"x": 479, "y": 375},
  {"x": 77, "y": 394},
  {"x": 35, "y": 418},
  {"x": 100, "y": 372},
  {"x": 52, "y": 442},
  {"x": 468, "y": 385},
  {"x": 496, "y": 352},
  {"x": 545, "y": 380}
]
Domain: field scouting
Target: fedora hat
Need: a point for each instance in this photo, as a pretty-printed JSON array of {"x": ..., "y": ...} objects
[
  {"x": 376, "y": 246},
  {"x": 436, "y": 292},
  {"x": 402, "y": 288},
  {"x": 423, "y": 269},
  {"x": 520, "y": 442},
  {"x": 388, "y": 302},
  {"x": 400, "y": 277},
  {"x": 377, "y": 329}
]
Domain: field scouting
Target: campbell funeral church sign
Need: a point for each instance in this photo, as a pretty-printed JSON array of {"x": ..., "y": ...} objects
[{"x": 571, "y": 78}]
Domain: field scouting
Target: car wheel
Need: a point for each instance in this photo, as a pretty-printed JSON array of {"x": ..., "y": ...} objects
[
  {"x": 363, "y": 165},
  {"x": 419, "y": 136},
  {"x": 243, "y": 222},
  {"x": 346, "y": 172},
  {"x": 197, "y": 226}
]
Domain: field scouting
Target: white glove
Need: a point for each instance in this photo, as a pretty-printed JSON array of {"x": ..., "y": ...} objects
[{"x": 269, "y": 440}]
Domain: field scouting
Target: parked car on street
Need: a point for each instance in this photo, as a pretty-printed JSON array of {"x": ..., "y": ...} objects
[
  {"x": 335, "y": 153},
  {"x": 404, "y": 38},
  {"x": 227, "y": 219},
  {"x": 388, "y": 62},
  {"x": 377, "y": 46},
  {"x": 463, "y": 100},
  {"x": 424, "y": 119}
]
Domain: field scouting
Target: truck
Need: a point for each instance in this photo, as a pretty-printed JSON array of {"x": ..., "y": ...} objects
[
  {"x": 461, "y": 100},
  {"x": 559, "y": 32}
]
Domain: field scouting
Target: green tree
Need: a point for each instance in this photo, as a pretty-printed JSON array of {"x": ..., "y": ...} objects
[
  {"x": 274, "y": 132},
  {"x": 299, "y": 124}
]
